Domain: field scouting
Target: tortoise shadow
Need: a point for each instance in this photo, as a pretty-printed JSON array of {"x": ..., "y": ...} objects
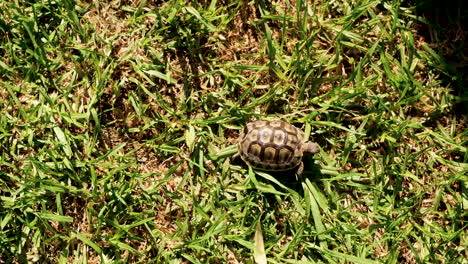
[
  {"x": 290, "y": 180},
  {"x": 312, "y": 172}
]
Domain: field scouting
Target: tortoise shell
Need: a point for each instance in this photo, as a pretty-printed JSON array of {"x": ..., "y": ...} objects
[{"x": 273, "y": 145}]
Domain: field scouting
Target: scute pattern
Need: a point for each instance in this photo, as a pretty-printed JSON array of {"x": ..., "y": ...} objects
[{"x": 271, "y": 145}]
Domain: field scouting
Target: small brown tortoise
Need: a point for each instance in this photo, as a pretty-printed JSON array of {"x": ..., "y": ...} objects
[{"x": 274, "y": 146}]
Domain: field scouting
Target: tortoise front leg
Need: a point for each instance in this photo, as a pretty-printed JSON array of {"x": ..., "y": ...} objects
[{"x": 299, "y": 171}]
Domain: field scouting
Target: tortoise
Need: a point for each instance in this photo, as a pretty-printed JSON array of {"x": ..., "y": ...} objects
[{"x": 274, "y": 146}]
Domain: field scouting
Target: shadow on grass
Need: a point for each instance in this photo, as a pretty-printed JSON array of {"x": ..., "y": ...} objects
[
  {"x": 291, "y": 181},
  {"x": 445, "y": 31}
]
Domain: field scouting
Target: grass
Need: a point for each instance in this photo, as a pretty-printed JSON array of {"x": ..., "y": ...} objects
[{"x": 118, "y": 120}]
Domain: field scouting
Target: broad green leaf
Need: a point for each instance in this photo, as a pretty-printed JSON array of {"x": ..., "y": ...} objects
[
  {"x": 55, "y": 217},
  {"x": 259, "y": 248},
  {"x": 88, "y": 242},
  {"x": 190, "y": 138},
  {"x": 63, "y": 141}
]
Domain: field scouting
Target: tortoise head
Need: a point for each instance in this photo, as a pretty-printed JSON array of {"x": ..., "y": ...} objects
[{"x": 310, "y": 147}]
